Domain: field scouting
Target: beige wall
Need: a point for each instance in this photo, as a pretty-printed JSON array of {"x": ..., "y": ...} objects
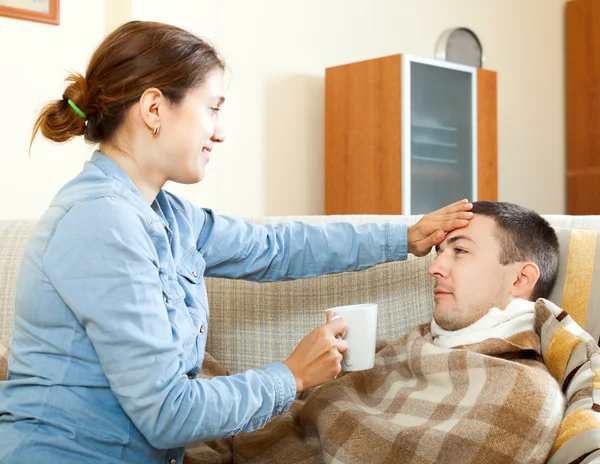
[
  {"x": 116, "y": 12},
  {"x": 199, "y": 17},
  {"x": 276, "y": 51},
  {"x": 275, "y": 148}
]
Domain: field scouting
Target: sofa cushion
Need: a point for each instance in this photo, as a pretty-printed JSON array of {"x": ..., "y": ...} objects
[
  {"x": 13, "y": 238},
  {"x": 253, "y": 324},
  {"x": 4, "y": 353},
  {"x": 572, "y": 357},
  {"x": 577, "y": 288}
]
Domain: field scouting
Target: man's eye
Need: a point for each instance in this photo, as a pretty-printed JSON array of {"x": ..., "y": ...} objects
[
  {"x": 216, "y": 110},
  {"x": 459, "y": 251}
]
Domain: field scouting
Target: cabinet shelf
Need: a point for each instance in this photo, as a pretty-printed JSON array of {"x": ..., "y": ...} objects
[
  {"x": 434, "y": 127},
  {"x": 431, "y": 159},
  {"x": 434, "y": 143}
]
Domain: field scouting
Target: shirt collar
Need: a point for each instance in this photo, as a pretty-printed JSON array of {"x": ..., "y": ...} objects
[{"x": 112, "y": 170}]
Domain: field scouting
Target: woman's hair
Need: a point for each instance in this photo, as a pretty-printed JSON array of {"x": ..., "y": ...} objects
[{"x": 136, "y": 56}]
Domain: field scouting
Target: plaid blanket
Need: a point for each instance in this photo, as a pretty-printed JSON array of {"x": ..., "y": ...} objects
[
  {"x": 494, "y": 401},
  {"x": 497, "y": 401}
]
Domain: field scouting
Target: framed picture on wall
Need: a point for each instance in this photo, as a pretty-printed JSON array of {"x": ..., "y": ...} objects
[{"x": 44, "y": 11}]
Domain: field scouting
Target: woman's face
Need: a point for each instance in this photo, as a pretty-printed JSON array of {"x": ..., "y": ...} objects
[{"x": 190, "y": 129}]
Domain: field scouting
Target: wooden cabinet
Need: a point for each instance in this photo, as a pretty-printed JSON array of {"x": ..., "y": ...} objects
[
  {"x": 405, "y": 135},
  {"x": 583, "y": 106}
]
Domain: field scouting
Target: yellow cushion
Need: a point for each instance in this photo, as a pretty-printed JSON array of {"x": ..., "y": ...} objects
[{"x": 577, "y": 289}]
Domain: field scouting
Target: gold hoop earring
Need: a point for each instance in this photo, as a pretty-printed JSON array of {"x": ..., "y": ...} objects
[{"x": 155, "y": 131}]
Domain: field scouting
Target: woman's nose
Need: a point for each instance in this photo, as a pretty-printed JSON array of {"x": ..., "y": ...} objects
[{"x": 219, "y": 135}]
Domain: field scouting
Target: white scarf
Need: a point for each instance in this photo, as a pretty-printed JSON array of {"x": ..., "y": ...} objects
[{"x": 517, "y": 317}]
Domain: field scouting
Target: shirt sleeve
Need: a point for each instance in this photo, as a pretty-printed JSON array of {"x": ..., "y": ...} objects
[
  {"x": 237, "y": 249},
  {"x": 102, "y": 262}
]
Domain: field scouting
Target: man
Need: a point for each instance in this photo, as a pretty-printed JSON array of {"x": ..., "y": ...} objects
[
  {"x": 471, "y": 386},
  {"x": 506, "y": 252}
]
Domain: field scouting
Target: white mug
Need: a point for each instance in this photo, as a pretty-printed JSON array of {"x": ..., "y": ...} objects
[{"x": 361, "y": 335}]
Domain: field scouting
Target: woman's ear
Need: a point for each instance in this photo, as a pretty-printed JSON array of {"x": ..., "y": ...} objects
[
  {"x": 524, "y": 283},
  {"x": 150, "y": 107}
]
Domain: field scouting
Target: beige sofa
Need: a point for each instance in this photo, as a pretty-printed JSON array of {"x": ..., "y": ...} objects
[{"x": 253, "y": 324}]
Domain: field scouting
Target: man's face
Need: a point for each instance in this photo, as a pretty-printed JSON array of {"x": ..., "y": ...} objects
[{"x": 469, "y": 277}]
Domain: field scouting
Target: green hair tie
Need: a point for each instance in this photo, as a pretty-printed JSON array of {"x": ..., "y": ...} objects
[{"x": 77, "y": 110}]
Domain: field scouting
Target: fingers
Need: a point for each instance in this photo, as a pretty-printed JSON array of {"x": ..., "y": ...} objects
[
  {"x": 462, "y": 205},
  {"x": 451, "y": 224},
  {"x": 336, "y": 326},
  {"x": 330, "y": 315},
  {"x": 337, "y": 352},
  {"x": 432, "y": 240},
  {"x": 448, "y": 218},
  {"x": 453, "y": 216},
  {"x": 462, "y": 215},
  {"x": 341, "y": 345},
  {"x": 424, "y": 246}
]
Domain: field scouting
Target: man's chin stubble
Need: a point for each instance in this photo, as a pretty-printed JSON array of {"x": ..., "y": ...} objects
[{"x": 447, "y": 319}]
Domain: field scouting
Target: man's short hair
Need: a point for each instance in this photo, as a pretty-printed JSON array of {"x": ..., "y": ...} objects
[{"x": 524, "y": 235}]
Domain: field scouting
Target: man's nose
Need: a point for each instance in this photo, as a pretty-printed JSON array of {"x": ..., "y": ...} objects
[{"x": 437, "y": 268}]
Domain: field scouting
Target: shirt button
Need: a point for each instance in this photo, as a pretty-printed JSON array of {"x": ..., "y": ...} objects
[
  {"x": 202, "y": 329},
  {"x": 194, "y": 274},
  {"x": 173, "y": 461},
  {"x": 190, "y": 376}
]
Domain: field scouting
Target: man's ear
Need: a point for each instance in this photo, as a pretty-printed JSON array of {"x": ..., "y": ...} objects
[{"x": 526, "y": 278}]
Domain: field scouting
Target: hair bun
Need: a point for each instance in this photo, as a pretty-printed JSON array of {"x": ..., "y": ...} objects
[{"x": 58, "y": 120}]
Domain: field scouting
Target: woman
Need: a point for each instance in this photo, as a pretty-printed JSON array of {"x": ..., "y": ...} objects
[{"x": 111, "y": 312}]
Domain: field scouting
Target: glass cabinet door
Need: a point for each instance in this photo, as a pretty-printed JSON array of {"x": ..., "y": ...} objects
[{"x": 438, "y": 135}]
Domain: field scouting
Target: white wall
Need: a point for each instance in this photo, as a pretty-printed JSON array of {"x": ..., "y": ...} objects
[
  {"x": 35, "y": 58},
  {"x": 277, "y": 51}
]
